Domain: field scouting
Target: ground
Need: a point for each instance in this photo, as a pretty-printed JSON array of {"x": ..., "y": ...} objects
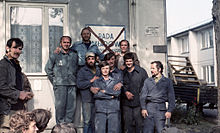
[{"x": 206, "y": 124}]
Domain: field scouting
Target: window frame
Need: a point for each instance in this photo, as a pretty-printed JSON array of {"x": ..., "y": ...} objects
[
  {"x": 45, "y": 26},
  {"x": 207, "y": 74},
  {"x": 206, "y": 36},
  {"x": 184, "y": 42}
]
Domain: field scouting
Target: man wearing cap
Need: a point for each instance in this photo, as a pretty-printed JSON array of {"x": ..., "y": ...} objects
[
  {"x": 61, "y": 70},
  {"x": 85, "y": 78}
]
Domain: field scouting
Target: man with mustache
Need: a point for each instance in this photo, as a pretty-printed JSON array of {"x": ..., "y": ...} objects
[
  {"x": 61, "y": 70},
  {"x": 12, "y": 87},
  {"x": 156, "y": 91},
  {"x": 85, "y": 78}
]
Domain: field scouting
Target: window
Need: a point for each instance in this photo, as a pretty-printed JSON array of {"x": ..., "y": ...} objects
[
  {"x": 206, "y": 39},
  {"x": 208, "y": 74},
  {"x": 40, "y": 27},
  {"x": 184, "y": 44}
]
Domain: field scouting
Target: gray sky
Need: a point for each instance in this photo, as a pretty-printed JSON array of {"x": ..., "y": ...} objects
[{"x": 184, "y": 14}]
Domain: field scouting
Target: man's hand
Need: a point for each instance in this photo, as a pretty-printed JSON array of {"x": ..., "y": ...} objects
[
  {"x": 25, "y": 95},
  {"x": 144, "y": 113},
  {"x": 94, "y": 78},
  {"x": 168, "y": 115},
  {"x": 117, "y": 87},
  {"x": 94, "y": 90},
  {"x": 57, "y": 50},
  {"x": 30, "y": 95},
  {"x": 103, "y": 91},
  {"x": 129, "y": 95}
]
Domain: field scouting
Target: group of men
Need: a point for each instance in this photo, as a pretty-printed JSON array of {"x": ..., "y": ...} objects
[{"x": 117, "y": 95}]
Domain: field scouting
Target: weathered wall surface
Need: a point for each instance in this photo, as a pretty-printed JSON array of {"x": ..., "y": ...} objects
[{"x": 151, "y": 30}]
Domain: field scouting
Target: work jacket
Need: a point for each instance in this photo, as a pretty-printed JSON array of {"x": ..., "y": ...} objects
[
  {"x": 108, "y": 101},
  {"x": 81, "y": 49},
  {"x": 84, "y": 76},
  {"x": 62, "y": 68}
]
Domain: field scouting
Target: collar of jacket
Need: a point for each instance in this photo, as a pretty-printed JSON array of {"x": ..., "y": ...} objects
[
  {"x": 92, "y": 43},
  {"x": 62, "y": 52},
  {"x": 115, "y": 70},
  {"x": 162, "y": 79},
  {"x": 7, "y": 59},
  {"x": 102, "y": 78},
  {"x": 136, "y": 68}
]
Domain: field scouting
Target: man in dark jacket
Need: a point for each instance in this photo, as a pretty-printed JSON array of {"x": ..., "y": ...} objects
[
  {"x": 61, "y": 70},
  {"x": 134, "y": 77},
  {"x": 12, "y": 89},
  {"x": 156, "y": 91},
  {"x": 85, "y": 78}
]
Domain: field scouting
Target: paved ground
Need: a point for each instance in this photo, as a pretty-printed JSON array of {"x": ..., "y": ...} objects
[{"x": 206, "y": 125}]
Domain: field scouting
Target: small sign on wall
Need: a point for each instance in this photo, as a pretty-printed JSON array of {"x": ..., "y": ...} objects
[{"x": 109, "y": 34}]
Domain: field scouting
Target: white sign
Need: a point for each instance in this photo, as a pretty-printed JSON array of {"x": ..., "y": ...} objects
[{"x": 108, "y": 34}]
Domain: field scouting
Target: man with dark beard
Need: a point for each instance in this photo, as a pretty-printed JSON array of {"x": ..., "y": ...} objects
[{"x": 85, "y": 78}]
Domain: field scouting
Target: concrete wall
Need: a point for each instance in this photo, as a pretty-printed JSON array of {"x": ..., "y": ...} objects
[{"x": 151, "y": 30}]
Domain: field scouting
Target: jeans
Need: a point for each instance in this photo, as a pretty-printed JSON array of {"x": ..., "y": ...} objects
[
  {"x": 88, "y": 117},
  {"x": 107, "y": 122},
  {"x": 65, "y": 103},
  {"x": 131, "y": 115}
]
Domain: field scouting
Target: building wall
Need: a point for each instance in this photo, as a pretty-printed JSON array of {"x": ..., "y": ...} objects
[
  {"x": 151, "y": 28},
  {"x": 198, "y": 56}
]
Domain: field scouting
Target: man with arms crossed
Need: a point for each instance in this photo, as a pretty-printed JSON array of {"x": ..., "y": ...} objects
[{"x": 156, "y": 91}]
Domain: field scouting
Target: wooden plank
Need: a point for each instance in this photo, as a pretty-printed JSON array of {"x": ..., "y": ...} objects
[
  {"x": 182, "y": 80},
  {"x": 183, "y": 70},
  {"x": 181, "y": 75}
]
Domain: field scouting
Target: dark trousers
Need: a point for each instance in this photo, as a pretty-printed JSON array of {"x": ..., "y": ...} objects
[
  {"x": 132, "y": 119},
  {"x": 155, "y": 119},
  {"x": 88, "y": 117},
  {"x": 107, "y": 122}
]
